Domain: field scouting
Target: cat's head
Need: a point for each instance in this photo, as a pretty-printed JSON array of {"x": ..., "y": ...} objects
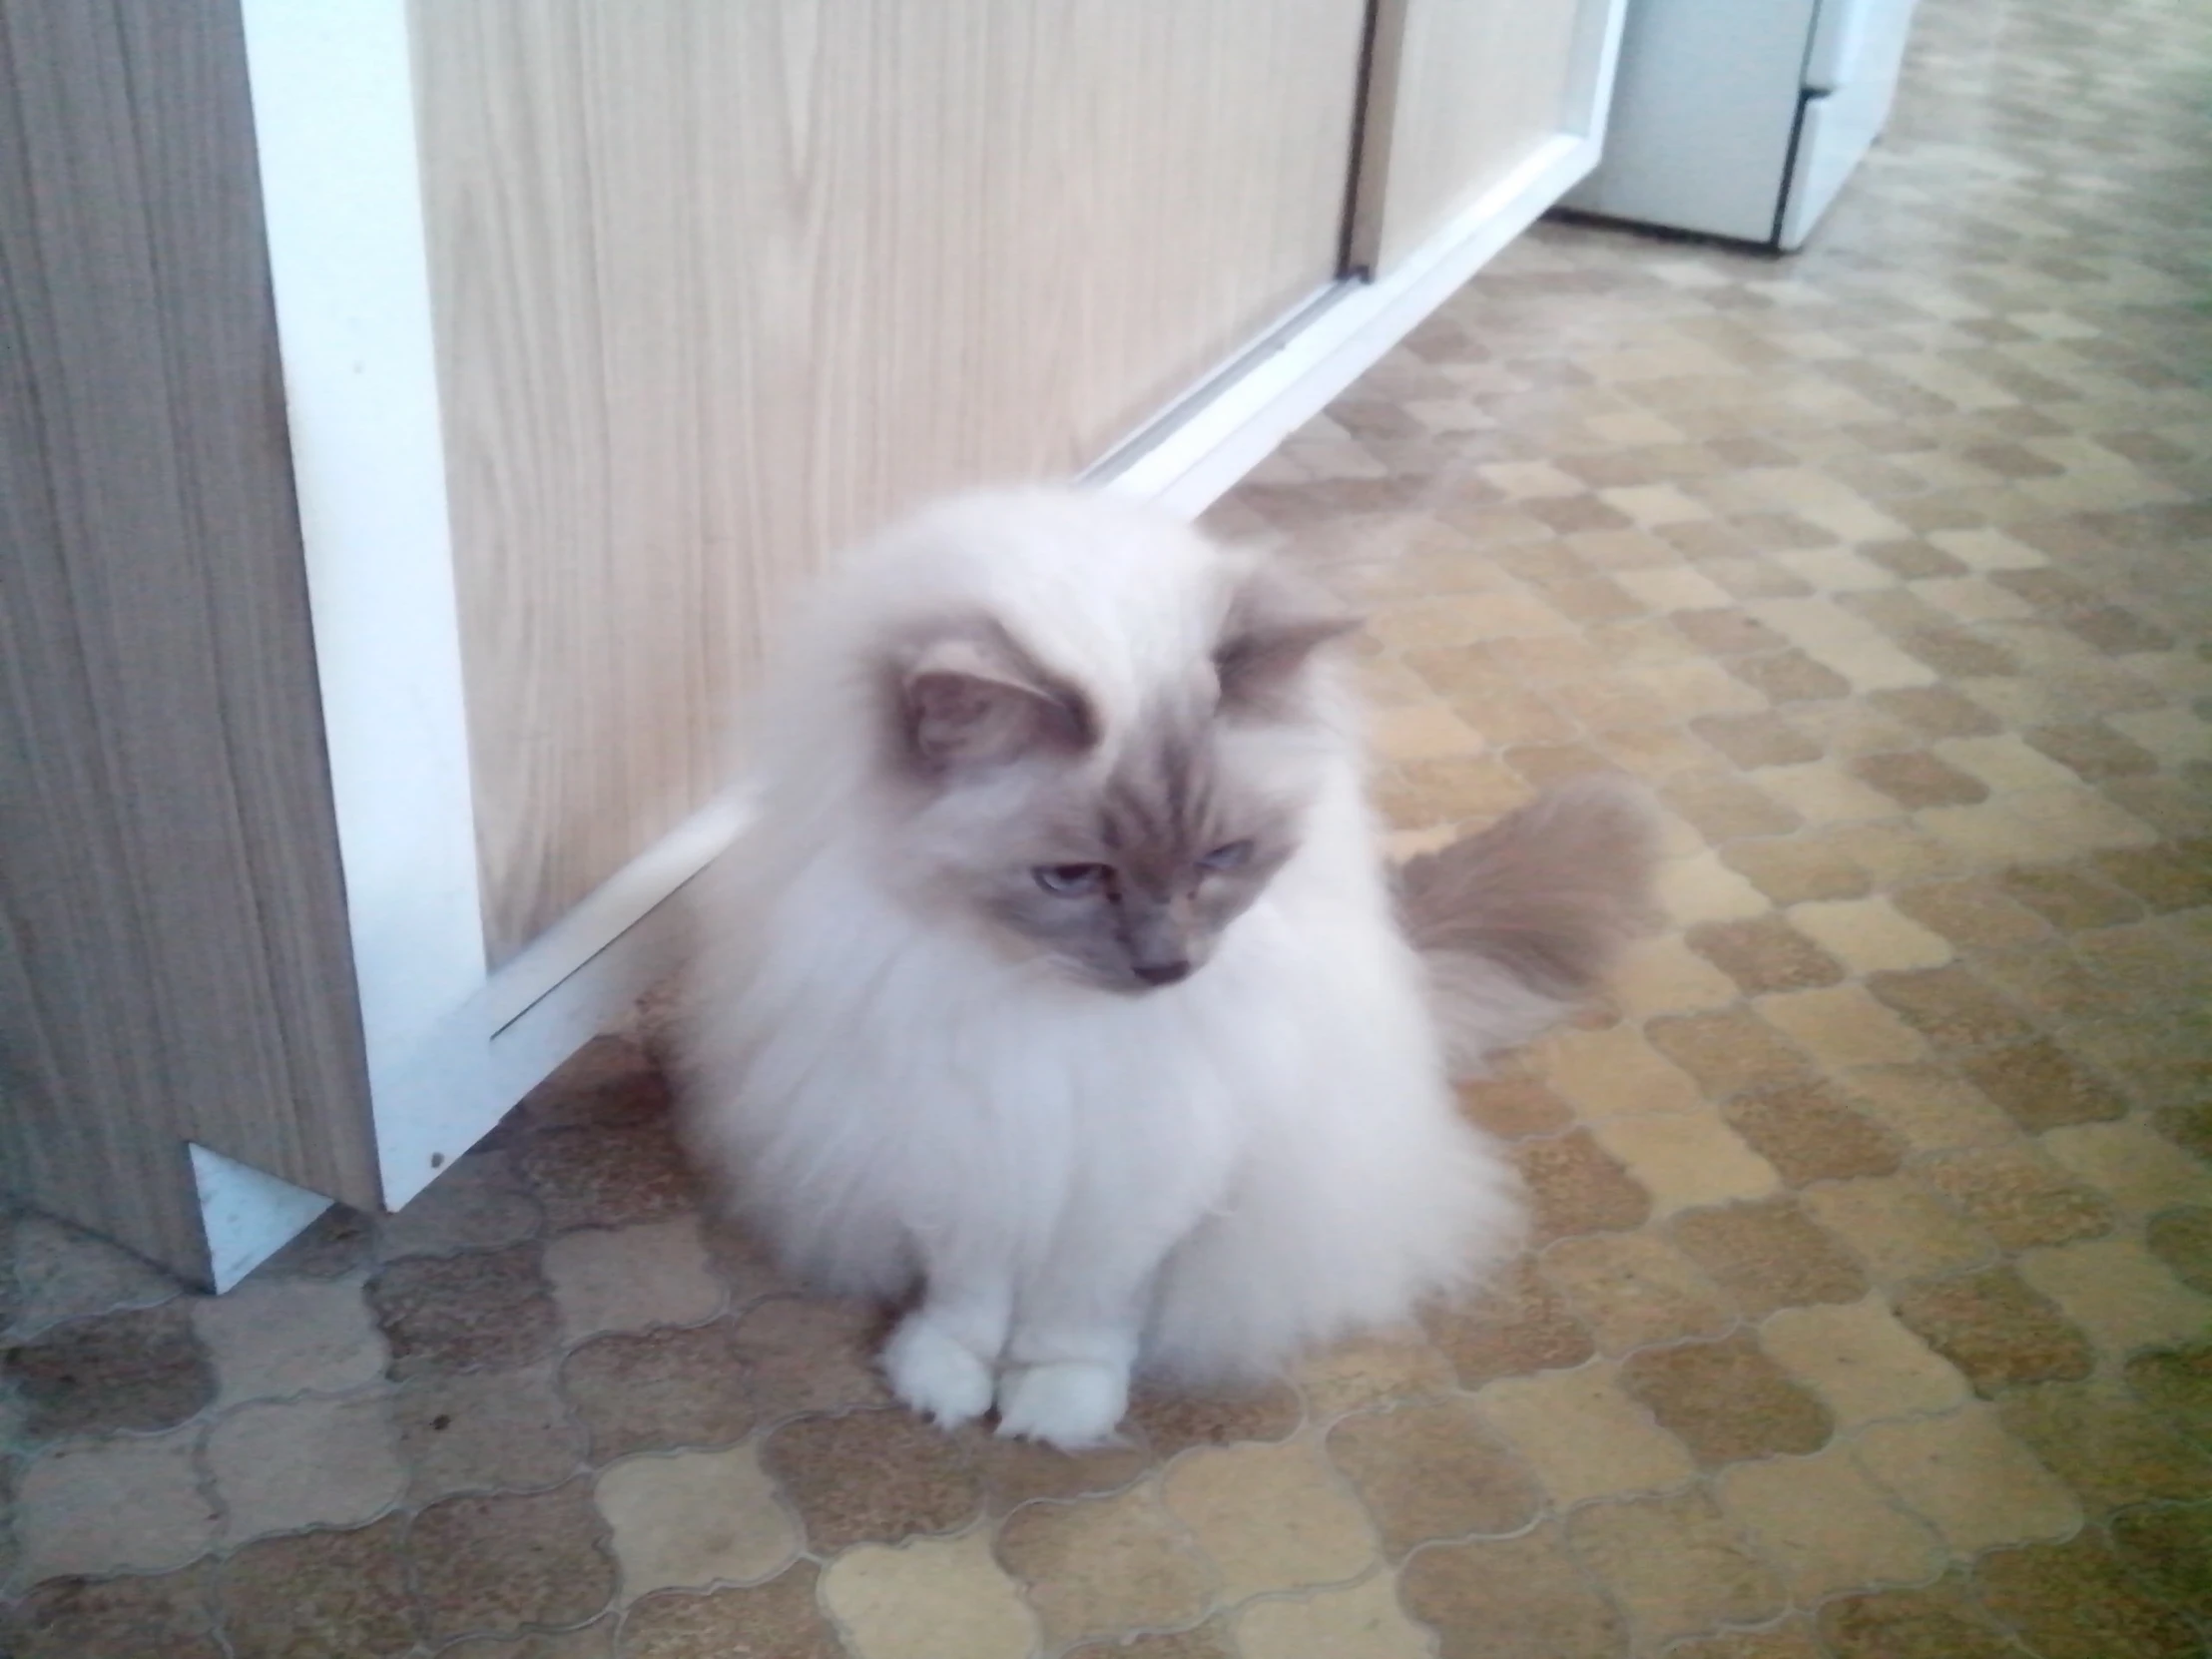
[{"x": 1119, "y": 854}]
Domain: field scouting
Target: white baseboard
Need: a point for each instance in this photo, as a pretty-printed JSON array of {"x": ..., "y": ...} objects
[{"x": 1192, "y": 456}]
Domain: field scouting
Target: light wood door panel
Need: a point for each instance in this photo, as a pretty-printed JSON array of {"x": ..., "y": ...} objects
[
  {"x": 718, "y": 287},
  {"x": 1464, "y": 92}
]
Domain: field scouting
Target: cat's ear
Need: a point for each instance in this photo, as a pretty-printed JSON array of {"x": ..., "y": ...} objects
[
  {"x": 1273, "y": 627},
  {"x": 969, "y": 702}
]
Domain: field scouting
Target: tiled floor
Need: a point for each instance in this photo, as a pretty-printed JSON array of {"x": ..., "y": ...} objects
[{"x": 1869, "y": 1307}]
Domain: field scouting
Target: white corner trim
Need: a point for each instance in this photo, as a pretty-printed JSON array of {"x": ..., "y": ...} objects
[
  {"x": 334, "y": 126},
  {"x": 248, "y": 1216}
]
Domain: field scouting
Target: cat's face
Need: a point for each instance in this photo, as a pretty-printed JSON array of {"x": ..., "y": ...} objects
[
  {"x": 1129, "y": 885},
  {"x": 1124, "y": 874}
]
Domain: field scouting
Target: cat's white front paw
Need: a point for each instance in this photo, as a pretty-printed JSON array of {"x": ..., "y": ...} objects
[
  {"x": 1070, "y": 1404},
  {"x": 935, "y": 1375}
]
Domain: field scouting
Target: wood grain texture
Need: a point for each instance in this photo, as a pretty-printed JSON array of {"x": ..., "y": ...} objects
[
  {"x": 1463, "y": 90},
  {"x": 174, "y": 961},
  {"x": 721, "y": 286}
]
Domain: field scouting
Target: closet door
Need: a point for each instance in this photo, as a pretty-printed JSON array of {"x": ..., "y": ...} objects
[{"x": 718, "y": 287}]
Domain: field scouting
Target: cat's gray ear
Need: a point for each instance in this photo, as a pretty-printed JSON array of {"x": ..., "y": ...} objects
[
  {"x": 1274, "y": 625},
  {"x": 975, "y": 701}
]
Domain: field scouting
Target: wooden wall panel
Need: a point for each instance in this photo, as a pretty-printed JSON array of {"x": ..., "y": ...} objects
[
  {"x": 719, "y": 287},
  {"x": 174, "y": 957},
  {"x": 1464, "y": 92}
]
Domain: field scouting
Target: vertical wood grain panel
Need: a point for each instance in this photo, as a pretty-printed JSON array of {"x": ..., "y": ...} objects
[
  {"x": 173, "y": 951},
  {"x": 719, "y": 287},
  {"x": 1463, "y": 91}
]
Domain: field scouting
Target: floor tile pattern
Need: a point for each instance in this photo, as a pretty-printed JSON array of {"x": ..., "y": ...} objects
[{"x": 1867, "y": 1308}]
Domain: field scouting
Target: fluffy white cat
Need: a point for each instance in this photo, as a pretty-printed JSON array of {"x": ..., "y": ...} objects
[{"x": 1060, "y": 989}]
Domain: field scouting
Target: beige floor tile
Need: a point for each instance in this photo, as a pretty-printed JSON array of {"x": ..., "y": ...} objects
[
  {"x": 2131, "y": 1164},
  {"x": 1673, "y": 587},
  {"x": 1687, "y": 1158},
  {"x": 1991, "y": 834},
  {"x": 1675, "y": 1564},
  {"x": 693, "y": 1520},
  {"x": 1613, "y": 1073},
  {"x": 930, "y": 1598},
  {"x": 1856, "y": 650},
  {"x": 1105, "y": 1565},
  {"x": 1634, "y": 1287},
  {"x": 1731, "y": 1051},
  {"x": 1824, "y": 792},
  {"x": 1987, "y": 549},
  {"x": 1826, "y": 1525},
  {"x": 2105, "y": 1443},
  {"x": 1863, "y": 1363},
  {"x": 487, "y": 1431},
  {"x": 2079, "y": 821},
  {"x": 1930, "y": 1109},
  {"x": 2176, "y": 735},
  {"x": 1464, "y": 618},
  {"x": 1767, "y": 1254},
  {"x": 1499, "y": 1598},
  {"x": 871, "y": 1476},
  {"x": 1810, "y": 1133},
  {"x": 1899, "y": 1227},
  {"x": 1432, "y": 1469},
  {"x": 1367, "y": 1370},
  {"x": 1662, "y": 974},
  {"x": 276, "y": 1336},
  {"x": 628, "y": 1278},
  {"x": 1970, "y": 1480},
  {"x": 1702, "y": 889},
  {"x": 1834, "y": 569},
  {"x": 1523, "y": 480},
  {"x": 118, "y": 1505},
  {"x": 305, "y": 1462},
  {"x": 1698, "y": 690},
  {"x": 61, "y": 1273},
  {"x": 1584, "y": 1435},
  {"x": 2120, "y": 1294},
  {"x": 476, "y": 1203},
  {"x": 1868, "y": 936},
  {"x": 1843, "y": 1027},
  {"x": 1973, "y": 598},
  {"x": 1422, "y": 730},
  {"x": 1270, "y": 1517},
  {"x": 1894, "y": 850},
  {"x": 2006, "y": 763},
  {"x": 1386, "y": 684},
  {"x": 1401, "y": 845},
  {"x": 1364, "y": 1622}
]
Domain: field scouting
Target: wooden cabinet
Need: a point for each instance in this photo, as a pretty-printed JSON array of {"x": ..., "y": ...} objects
[{"x": 597, "y": 326}]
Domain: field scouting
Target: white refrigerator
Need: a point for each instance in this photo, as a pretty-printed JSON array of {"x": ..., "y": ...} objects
[{"x": 1742, "y": 119}]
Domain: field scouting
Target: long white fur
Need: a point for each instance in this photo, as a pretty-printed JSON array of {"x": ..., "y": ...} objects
[{"x": 1200, "y": 1181}]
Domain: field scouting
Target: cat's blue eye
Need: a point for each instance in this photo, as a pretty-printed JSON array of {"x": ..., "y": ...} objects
[
  {"x": 1234, "y": 855},
  {"x": 1070, "y": 881}
]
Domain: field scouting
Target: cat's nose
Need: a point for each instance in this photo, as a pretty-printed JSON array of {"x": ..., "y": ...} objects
[{"x": 1163, "y": 973}]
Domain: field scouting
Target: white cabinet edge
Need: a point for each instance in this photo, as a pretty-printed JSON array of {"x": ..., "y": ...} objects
[{"x": 332, "y": 92}]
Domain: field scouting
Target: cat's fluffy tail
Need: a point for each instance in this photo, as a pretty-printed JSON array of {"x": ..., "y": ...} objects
[{"x": 1520, "y": 922}]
